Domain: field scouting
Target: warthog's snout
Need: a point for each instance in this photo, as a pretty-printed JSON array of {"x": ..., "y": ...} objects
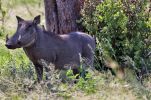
[
  {"x": 12, "y": 45},
  {"x": 9, "y": 46}
]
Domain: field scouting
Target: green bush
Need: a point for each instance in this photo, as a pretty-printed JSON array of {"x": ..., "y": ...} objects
[
  {"x": 88, "y": 83},
  {"x": 122, "y": 29}
]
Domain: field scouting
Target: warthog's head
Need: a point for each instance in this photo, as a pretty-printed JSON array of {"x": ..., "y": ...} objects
[{"x": 25, "y": 34}]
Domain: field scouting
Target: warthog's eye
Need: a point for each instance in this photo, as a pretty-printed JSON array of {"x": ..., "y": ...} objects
[{"x": 28, "y": 27}]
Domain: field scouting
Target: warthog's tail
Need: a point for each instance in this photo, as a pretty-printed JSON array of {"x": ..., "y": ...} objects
[{"x": 94, "y": 38}]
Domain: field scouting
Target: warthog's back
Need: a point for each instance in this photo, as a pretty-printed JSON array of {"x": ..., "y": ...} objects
[
  {"x": 79, "y": 38},
  {"x": 76, "y": 45}
]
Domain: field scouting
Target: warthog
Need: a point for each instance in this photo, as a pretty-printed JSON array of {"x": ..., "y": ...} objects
[{"x": 59, "y": 50}]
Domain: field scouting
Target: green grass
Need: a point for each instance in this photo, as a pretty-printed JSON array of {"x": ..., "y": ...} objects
[{"x": 17, "y": 75}]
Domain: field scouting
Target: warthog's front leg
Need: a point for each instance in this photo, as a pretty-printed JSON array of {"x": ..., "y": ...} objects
[{"x": 39, "y": 71}]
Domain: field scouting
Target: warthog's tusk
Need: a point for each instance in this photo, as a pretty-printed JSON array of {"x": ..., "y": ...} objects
[
  {"x": 7, "y": 38},
  {"x": 19, "y": 38}
]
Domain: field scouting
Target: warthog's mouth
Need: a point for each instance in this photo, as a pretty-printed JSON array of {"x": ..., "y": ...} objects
[{"x": 11, "y": 46}]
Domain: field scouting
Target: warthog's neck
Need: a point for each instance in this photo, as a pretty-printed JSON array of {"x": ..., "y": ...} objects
[{"x": 30, "y": 44}]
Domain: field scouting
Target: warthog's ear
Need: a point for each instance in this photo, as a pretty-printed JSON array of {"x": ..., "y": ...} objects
[
  {"x": 19, "y": 19},
  {"x": 36, "y": 20}
]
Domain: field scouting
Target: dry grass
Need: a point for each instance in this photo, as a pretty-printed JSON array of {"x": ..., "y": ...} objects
[{"x": 107, "y": 86}]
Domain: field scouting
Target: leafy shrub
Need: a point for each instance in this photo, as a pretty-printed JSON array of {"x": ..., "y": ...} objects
[
  {"x": 86, "y": 83},
  {"x": 122, "y": 29}
]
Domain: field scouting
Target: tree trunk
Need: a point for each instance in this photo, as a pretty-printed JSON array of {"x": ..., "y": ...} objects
[
  {"x": 51, "y": 16},
  {"x": 62, "y": 15}
]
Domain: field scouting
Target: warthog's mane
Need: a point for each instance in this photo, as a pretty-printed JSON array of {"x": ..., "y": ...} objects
[{"x": 40, "y": 29}]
